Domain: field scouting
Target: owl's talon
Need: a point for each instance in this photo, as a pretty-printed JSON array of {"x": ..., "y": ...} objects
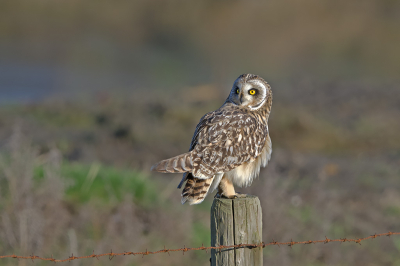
[
  {"x": 222, "y": 196},
  {"x": 237, "y": 195},
  {"x": 240, "y": 195}
]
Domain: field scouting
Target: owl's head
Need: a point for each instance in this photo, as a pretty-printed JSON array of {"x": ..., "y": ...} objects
[{"x": 250, "y": 91}]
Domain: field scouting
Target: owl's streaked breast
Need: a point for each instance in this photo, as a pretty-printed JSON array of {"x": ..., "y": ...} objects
[{"x": 244, "y": 174}]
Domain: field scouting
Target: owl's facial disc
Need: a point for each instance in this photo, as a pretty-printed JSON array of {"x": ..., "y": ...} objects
[{"x": 251, "y": 94}]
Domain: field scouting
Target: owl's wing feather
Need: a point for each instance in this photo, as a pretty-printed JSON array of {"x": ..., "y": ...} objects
[
  {"x": 225, "y": 139},
  {"x": 204, "y": 121},
  {"x": 193, "y": 143},
  {"x": 178, "y": 164}
]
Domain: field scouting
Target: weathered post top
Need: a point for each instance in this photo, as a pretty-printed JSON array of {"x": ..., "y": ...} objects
[{"x": 236, "y": 221}]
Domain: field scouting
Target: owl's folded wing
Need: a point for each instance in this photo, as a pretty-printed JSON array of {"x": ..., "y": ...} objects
[{"x": 224, "y": 140}]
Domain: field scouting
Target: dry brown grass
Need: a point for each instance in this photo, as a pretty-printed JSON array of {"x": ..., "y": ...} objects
[
  {"x": 324, "y": 179},
  {"x": 38, "y": 217}
]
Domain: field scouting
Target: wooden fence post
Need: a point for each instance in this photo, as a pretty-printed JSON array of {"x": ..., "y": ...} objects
[{"x": 233, "y": 222}]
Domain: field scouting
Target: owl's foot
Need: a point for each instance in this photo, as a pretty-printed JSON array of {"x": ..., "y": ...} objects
[
  {"x": 240, "y": 195},
  {"x": 237, "y": 195},
  {"x": 220, "y": 196}
]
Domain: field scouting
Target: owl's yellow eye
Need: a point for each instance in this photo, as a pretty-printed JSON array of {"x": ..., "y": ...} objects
[
  {"x": 252, "y": 92},
  {"x": 237, "y": 91}
]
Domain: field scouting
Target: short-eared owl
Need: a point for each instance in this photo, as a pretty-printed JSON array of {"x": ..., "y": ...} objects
[{"x": 229, "y": 145}]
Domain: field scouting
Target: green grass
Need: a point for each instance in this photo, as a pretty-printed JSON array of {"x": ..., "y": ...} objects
[
  {"x": 200, "y": 236},
  {"x": 103, "y": 183},
  {"x": 392, "y": 211}
]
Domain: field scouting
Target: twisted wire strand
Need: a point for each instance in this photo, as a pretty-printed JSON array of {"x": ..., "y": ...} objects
[{"x": 290, "y": 243}]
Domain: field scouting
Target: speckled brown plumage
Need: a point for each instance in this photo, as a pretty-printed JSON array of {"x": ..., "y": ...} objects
[{"x": 229, "y": 145}]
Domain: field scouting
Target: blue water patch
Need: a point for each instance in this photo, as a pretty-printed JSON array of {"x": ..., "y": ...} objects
[
  {"x": 22, "y": 83},
  {"x": 26, "y": 83}
]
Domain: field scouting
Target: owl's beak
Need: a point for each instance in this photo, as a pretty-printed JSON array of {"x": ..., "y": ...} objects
[{"x": 240, "y": 98}]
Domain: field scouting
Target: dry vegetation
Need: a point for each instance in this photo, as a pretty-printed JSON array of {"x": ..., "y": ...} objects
[
  {"x": 61, "y": 197},
  {"x": 50, "y": 207}
]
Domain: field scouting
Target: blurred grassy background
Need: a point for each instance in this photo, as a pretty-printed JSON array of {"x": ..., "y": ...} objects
[{"x": 94, "y": 92}]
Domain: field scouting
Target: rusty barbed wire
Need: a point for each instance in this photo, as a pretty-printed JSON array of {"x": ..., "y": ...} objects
[{"x": 290, "y": 243}]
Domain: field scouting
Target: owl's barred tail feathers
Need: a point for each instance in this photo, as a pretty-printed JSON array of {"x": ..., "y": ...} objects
[
  {"x": 195, "y": 189},
  {"x": 179, "y": 164}
]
